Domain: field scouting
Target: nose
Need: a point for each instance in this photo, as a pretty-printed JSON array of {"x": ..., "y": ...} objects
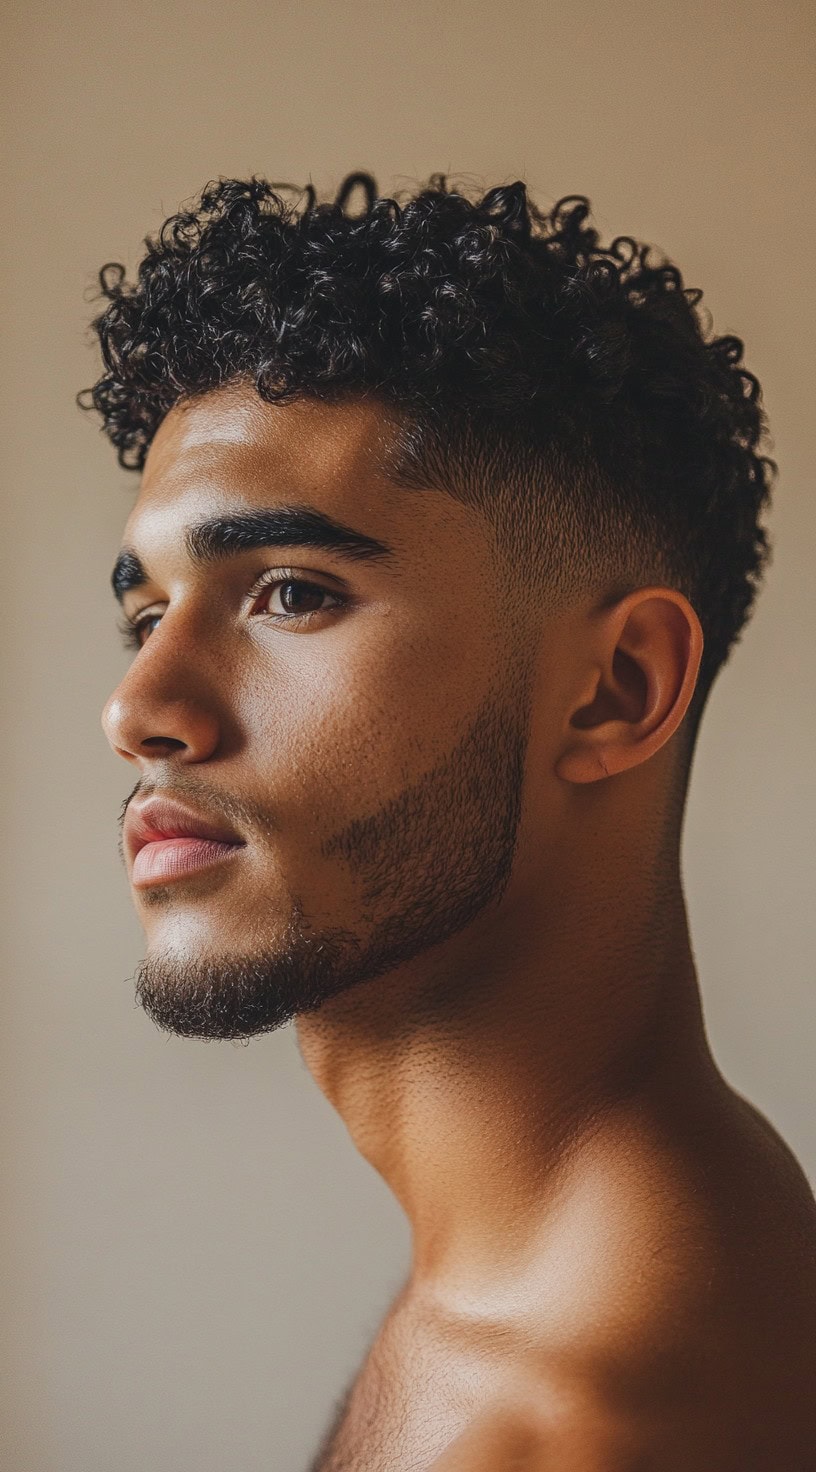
[{"x": 162, "y": 708}]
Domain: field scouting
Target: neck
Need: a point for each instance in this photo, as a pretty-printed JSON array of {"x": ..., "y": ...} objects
[{"x": 472, "y": 1082}]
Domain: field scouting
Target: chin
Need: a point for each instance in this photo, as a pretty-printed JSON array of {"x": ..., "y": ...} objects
[{"x": 201, "y": 989}]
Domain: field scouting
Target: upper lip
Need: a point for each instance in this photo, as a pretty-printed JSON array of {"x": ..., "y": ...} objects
[{"x": 160, "y": 817}]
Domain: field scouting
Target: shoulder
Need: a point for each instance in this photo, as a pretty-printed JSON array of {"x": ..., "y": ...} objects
[{"x": 675, "y": 1320}]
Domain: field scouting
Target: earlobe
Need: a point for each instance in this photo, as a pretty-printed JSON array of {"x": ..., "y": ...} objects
[{"x": 646, "y": 654}]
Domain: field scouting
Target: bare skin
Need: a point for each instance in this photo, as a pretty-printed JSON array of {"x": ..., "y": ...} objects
[{"x": 614, "y": 1254}]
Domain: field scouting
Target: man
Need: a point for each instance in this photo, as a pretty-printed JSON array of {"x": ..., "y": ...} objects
[{"x": 430, "y": 804}]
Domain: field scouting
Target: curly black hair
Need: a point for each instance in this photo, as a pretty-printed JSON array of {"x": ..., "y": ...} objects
[{"x": 570, "y": 390}]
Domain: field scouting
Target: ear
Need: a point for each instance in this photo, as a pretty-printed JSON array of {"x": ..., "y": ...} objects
[{"x": 645, "y": 655}]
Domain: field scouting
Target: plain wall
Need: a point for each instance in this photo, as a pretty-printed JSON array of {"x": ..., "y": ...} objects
[{"x": 195, "y": 1256}]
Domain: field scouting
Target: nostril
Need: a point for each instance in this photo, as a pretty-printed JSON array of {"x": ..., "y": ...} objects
[{"x": 143, "y": 726}]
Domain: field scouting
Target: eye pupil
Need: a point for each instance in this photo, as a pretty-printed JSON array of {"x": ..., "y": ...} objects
[{"x": 303, "y": 590}]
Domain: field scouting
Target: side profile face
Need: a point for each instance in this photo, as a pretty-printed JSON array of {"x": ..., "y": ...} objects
[
  {"x": 351, "y": 753},
  {"x": 354, "y": 723}
]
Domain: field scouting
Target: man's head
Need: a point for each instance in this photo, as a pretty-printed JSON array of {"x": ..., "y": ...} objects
[{"x": 515, "y": 490}]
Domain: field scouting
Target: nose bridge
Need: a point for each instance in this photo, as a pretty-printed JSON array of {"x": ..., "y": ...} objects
[{"x": 166, "y": 699}]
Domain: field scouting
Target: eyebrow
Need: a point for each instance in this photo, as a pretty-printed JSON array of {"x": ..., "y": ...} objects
[{"x": 281, "y": 526}]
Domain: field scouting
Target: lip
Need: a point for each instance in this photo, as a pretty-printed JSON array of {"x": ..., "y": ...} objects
[{"x": 166, "y": 841}]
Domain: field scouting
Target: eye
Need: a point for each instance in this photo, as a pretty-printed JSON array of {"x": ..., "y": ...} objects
[
  {"x": 298, "y": 600},
  {"x": 135, "y": 631}
]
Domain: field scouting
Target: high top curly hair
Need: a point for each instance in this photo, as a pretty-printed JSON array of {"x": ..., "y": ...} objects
[{"x": 569, "y": 390}]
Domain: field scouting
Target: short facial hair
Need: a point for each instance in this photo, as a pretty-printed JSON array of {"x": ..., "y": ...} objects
[{"x": 430, "y": 860}]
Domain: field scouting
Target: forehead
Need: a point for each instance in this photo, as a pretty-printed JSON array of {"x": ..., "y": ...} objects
[{"x": 230, "y": 449}]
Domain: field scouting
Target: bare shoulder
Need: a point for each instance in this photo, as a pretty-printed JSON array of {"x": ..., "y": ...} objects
[
  {"x": 671, "y": 1322},
  {"x": 695, "y": 1343},
  {"x": 706, "y": 1290}
]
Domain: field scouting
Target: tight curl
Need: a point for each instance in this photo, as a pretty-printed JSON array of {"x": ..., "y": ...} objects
[{"x": 484, "y": 316}]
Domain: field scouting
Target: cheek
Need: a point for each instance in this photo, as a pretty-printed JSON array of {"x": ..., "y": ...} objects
[{"x": 349, "y": 726}]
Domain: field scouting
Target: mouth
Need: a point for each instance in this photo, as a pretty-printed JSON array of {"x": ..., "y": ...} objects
[{"x": 166, "y": 842}]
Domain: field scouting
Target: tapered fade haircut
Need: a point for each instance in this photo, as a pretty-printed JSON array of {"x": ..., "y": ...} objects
[{"x": 573, "y": 392}]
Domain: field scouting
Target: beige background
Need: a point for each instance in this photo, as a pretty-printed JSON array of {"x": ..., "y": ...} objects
[{"x": 195, "y": 1256}]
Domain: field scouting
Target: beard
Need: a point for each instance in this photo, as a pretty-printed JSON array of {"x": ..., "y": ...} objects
[{"x": 430, "y": 861}]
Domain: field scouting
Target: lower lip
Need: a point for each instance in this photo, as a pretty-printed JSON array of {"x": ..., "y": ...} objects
[{"x": 174, "y": 858}]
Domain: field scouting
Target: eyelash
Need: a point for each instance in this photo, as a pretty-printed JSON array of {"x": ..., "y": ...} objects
[{"x": 130, "y": 629}]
